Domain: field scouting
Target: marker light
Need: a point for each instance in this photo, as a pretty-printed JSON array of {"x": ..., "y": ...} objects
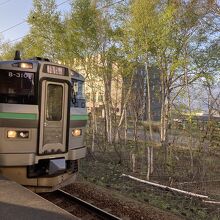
[
  {"x": 24, "y": 134},
  {"x": 77, "y": 132},
  {"x": 12, "y": 134},
  {"x": 26, "y": 65}
]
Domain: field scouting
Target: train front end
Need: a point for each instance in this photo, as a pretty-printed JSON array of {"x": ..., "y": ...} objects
[{"x": 41, "y": 127}]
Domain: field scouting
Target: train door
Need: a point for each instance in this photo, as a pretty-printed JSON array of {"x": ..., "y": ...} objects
[{"x": 53, "y": 117}]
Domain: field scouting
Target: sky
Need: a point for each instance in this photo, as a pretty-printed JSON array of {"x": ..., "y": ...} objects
[{"x": 13, "y": 12}]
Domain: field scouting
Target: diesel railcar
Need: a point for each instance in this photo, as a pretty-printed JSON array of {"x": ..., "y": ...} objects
[{"x": 42, "y": 123}]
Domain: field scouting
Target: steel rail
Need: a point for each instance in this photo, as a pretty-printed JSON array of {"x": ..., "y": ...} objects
[{"x": 89, "y": 207}]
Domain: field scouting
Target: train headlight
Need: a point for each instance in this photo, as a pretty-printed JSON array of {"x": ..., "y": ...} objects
[
  {"x": 77, "y": 132},
  {"x": 26, "y": 65},
  {"x": 23, "y": 65},
  {"x": 17, "y": 134},
  {"x": 12, "y": 134}
]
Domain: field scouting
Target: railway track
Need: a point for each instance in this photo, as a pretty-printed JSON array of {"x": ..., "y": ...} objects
[{"x": 77, "y": 206}]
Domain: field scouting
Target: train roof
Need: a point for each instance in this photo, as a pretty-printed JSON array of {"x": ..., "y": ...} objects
[{"x": 13, "y": 65}]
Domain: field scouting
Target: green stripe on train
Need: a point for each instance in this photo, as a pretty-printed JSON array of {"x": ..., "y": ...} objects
[
  {"x": 12, "y": 115},
  {"x": 78, "y": 117}
]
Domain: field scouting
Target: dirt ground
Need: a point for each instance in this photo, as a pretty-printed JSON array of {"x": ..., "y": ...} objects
[{"x": 118, "y": 204}]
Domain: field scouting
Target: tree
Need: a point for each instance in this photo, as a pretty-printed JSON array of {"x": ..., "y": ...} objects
[
  {"x": 161, "y": 31},
  {"x": 46, "y": 33}
]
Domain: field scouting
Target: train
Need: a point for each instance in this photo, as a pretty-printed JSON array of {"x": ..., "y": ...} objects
[{"x": 43, "y": 119}]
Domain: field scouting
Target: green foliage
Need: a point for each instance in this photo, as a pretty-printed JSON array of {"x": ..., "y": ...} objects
[
  {"x": 153, "y": 26},
  {"x": 45, "y": 37},
  {"x": 82, "y": 29},
  {"x": 7, "y": 52}
]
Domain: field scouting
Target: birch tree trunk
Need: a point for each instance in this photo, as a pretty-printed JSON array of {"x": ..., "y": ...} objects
[
  {"x": 127, "y": 96},
  {"x": 93, "y": 112},
  {"x": 135, "y": 131},
  {"x": 165, "y": 108},
  {"x": 126, "y": 128},
  {"x": 150, "y": 148},
  {"x": 107, "y": 78},
  {"x": 189, "y": 108}
]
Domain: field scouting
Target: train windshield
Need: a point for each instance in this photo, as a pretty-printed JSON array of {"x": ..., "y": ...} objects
[{"x": 17, "y": 87}]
